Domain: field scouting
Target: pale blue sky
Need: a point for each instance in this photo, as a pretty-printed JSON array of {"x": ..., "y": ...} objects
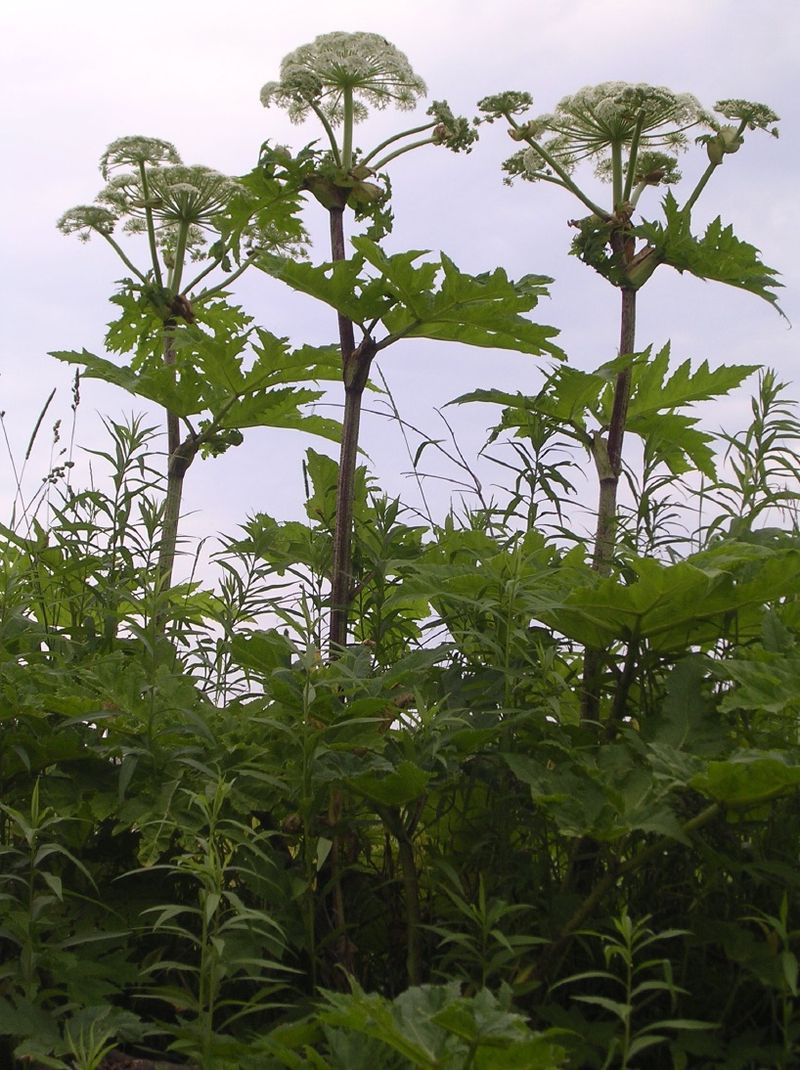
[{"x": 80, "y": 75}]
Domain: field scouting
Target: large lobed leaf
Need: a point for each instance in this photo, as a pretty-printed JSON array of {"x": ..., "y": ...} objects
[
  {"x": 718, "y": 256},
  {"x": 696, "y": 601},
  {"x": 231, "y": 383},
  {"x": 425, "y": 300},
  {"x": 570, "y": 397}
]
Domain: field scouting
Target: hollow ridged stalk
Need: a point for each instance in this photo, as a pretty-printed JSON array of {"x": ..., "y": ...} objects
[
  {"x": 608, "y": 462},
  {"x": 355, "y": 371},
  {"x": 179, "y": 457}
]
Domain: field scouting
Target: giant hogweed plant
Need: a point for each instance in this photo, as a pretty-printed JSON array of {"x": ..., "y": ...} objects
[
  {"x": 632, "y": 134},
  {"x": 337, "y": 78},
  {"x": 194, "y": 353}
]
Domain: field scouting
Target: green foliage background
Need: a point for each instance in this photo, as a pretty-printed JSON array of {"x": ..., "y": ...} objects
[{"x": 204, "y": 817}]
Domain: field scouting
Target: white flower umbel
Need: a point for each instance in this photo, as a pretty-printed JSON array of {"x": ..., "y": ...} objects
[
  {"x": 611, "y": 123},
  {"x": 179, "y": 208},
  {"x": 754, "y": 116},
  {"x": 623, "y": 128},
  {"x": 321, "y": 71},
  {"x": 136, "y": 151},
  {"x": 338, "y": 77},
  {"x": 86, "y": 219},
  {"x": 174, "y": 204}
]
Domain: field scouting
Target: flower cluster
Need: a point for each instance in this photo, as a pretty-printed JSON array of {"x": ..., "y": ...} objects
[
  {"x": 451, "y": 130},
  {"x": 152, "y": 182},
  {"x": 501, "y": 105},
  {"x": 137, "y": 152},
  {"x": 316, "y": 76},
  {"x": 86, "y": 219},
  {"x": 174, "y": 194},
  {"x": 613, "y": 115},
  {"x": 653, "y": 168},
  {"x": 754, "y": 116}
]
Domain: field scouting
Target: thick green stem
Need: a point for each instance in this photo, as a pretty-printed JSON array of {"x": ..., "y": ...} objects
[
  {"x": 355, "y": 370},
  {"x": 701, "y": 185},
  {"x": 128, "y": 263},
  {"x": 397, "y": 137},
  {"x": 616, "y": 174},
  {"x": 563, "y": 176},
  {"x": 179, "y": 461},
  {"x": 608, "y": 461},
  {"x": 179, "y": 457},
  {"x": 341, "y": 575},
  {"x": 354, "y": 374},
  {"x": 706, "y": 175},
  {"x": 223, "y": 286},
  {"x": 408, "y": 867},
  {"x": 403, "y": 148},
  {"x": 174, "y": 282},
  {"x": 320, "y": 114},
  {"x": 633, "y": 159}
]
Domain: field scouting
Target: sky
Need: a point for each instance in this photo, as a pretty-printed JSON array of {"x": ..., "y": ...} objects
[{"x": 75, "y": 77}]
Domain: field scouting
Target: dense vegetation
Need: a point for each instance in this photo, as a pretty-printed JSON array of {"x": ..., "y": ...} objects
[{"x": 398, "y": 790}]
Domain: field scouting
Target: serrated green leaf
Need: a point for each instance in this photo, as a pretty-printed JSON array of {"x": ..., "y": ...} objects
[
  {"x": 262, "y": 650},
  {"x": 719, "y": 255},
  {"x": 397, "y": 788},
  {"x": 688, "y": 602},
  {"x": 769, "y": 684},
  {"x": 537, "y": 1053},
  {"x": 482, "y": 310},
  {"x": 342, "y": 285},
  {"x": 251, "y": 380},
  {"x": 653, "y": 390},
  {"x": 748, "y": 779},
  {"x": 426, "y": 299}
]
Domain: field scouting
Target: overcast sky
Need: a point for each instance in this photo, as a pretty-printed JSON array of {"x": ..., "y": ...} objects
[{"x": 78, "y": 75}]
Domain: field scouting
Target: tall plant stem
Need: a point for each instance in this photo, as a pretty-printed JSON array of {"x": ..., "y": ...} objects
[
  {"x": 393, "y": 821},
  {"x": 355, "y": 371},
  {"x": 179, "y": 457},
  {"x": 608, "y": 451},
  {"x": 608, "y": 461},
  {"x": 610, "y": 880}
]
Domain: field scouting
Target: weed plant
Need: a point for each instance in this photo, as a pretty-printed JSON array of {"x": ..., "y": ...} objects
[{"x": 508, "y": 796}]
